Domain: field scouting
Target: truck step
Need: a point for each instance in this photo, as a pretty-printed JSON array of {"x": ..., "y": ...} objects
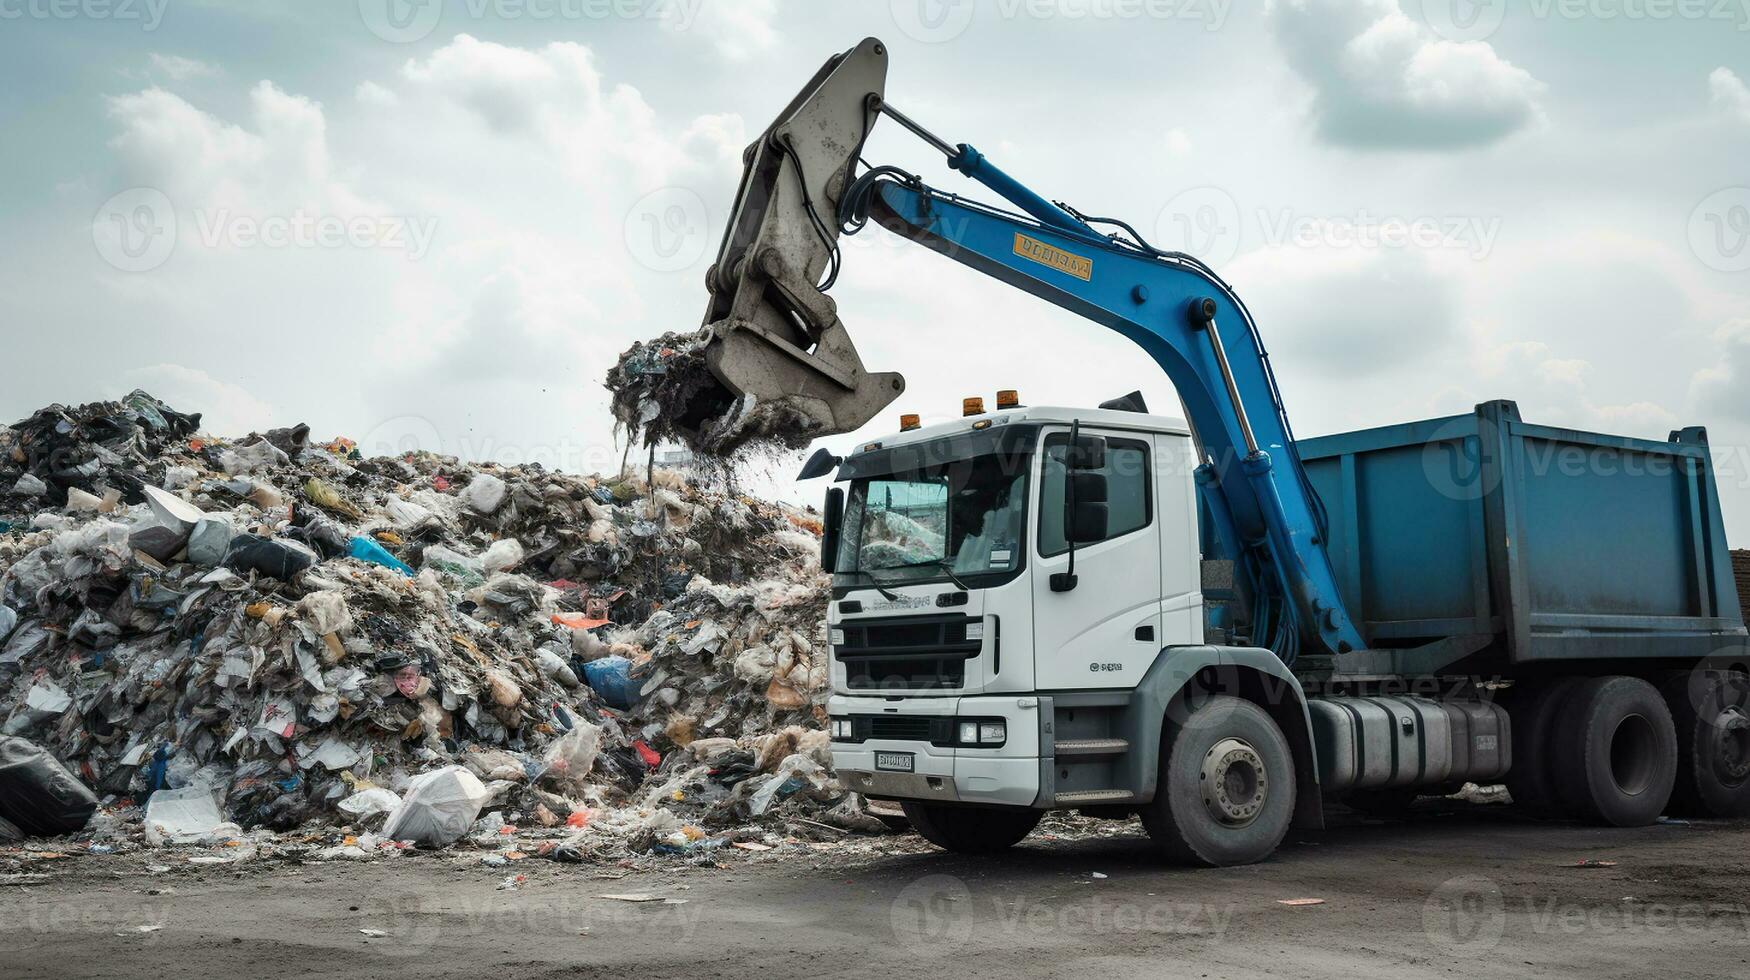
[
  {"x": 1089, "y": 797},
  {"x": 1093, "y": 746}
]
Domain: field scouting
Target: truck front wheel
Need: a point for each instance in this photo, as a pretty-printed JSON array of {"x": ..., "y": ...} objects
[
  {"x": 971, "y": 829},
  {"x": 1226, "y": 789}
]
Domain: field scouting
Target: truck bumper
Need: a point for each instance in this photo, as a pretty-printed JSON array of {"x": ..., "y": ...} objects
[{"x": 1007, "y": 776}]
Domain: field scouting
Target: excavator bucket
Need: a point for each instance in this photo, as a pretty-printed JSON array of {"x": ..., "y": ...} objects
[{"x": 773, "y": 333}]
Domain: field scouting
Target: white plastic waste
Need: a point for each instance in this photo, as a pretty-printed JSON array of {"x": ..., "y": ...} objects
[
  {"x": 368, "y": 803},
  {"x": 485, "y": 493},
  {"x": 182, "y": 816},
  {"x": 438, "y": 809},
  {"x": 502, "y": 556},
  {"x": 571, "y": 756}
]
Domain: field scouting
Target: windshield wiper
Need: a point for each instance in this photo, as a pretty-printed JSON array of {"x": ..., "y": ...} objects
[
  {"x": 876, "y": 584},
  {"x": 945, "y": 566}
]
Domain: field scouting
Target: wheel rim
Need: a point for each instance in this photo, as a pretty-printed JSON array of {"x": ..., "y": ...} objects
[
  {"x": 1633, "y": 755},
  {"x": 1234, "y": 782},
  {"x": 1731, "y": 746}
]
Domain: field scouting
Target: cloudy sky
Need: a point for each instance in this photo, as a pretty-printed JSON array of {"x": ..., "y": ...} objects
[{"x": 414, "y": 221}]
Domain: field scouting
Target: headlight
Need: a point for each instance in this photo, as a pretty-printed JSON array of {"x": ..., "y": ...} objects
[
  {"x": 975, "y": 733},
  {"x": 975, "y": 630},
  {"x": 841, "y": 728},
  {"x": 836, "y": 636}
]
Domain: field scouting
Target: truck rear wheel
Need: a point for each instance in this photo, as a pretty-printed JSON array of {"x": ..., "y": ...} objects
[
  {"x": 1533, "y": 713},
  {"x": 1711, "y": 710},
  {"x": 971, "y": 829},
  {"x": 1616, "y": 752},
  {"x": 1226, "y": 789}
]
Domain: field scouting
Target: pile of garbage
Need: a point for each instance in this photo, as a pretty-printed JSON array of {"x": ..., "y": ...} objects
[
  {"x": 664, "y": 391},
  {"x": 228, "y": 638}
]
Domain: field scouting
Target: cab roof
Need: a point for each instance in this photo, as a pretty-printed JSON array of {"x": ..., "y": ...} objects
[{"x": 1101, "y": 418}]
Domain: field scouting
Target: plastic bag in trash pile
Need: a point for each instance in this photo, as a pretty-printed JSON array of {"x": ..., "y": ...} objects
[
  {"x": 38, "y": 794},
  {"x": 438, "y": 809}
]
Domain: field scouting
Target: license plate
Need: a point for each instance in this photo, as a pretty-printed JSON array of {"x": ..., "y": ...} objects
[{"x": 893, "y": 761}]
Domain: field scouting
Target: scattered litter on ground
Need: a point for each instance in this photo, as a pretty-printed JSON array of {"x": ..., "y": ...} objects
[
  {"x": 1592, "y": 863},
  {"x": 1300, "y": 902}
]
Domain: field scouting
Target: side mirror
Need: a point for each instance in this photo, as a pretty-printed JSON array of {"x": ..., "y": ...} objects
[
  {"x": 820, "y": 464},
  {"x": 832, "y": 514},
  {"x": 1086, "y": 453},
  {"x": 1085, "y": 522}
]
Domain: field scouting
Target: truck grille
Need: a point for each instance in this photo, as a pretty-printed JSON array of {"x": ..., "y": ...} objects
[{"x": 906, "y": 653}]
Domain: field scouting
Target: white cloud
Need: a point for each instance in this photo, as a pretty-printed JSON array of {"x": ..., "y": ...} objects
[
  {"x": 1730, "y": 95},
  {"x": 178, "y": 68},
  {"x": 1724, "y": 386},
  {"x": 740, "y": 29},
  {"x": 371, "y": 94},
  {"x": 1381, "y": 80}
]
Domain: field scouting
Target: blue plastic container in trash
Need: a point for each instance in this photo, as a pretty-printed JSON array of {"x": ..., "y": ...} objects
[
  {"x": 367, "y": 549},
  {"x": 611, "y": 677}
]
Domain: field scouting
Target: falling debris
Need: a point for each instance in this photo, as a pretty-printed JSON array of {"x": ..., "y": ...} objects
[
  {"x": 271, "y": 645},
  {"x": 664, "y": 391}
]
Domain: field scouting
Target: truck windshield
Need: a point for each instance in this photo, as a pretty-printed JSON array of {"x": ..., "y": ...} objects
[{"x": 967, "y": 517}]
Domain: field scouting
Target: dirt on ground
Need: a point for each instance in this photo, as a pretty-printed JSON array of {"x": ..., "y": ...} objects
[{"x": 1458, "y": 890}]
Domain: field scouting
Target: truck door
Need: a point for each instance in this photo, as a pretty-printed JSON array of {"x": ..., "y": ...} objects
[{"x": 1106, "y": 631}]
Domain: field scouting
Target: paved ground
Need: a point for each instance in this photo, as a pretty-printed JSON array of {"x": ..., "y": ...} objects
[{"x": 1459, "y": 891}]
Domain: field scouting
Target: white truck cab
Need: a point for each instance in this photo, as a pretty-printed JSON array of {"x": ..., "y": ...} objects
[{"x": 947, "y": 620}]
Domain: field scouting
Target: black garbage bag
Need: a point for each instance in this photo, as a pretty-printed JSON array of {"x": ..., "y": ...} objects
[
  {"x": 9, "y": 832},
  {"x": 38, "y": 795},
  {"x": 275, "y": 559}
]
